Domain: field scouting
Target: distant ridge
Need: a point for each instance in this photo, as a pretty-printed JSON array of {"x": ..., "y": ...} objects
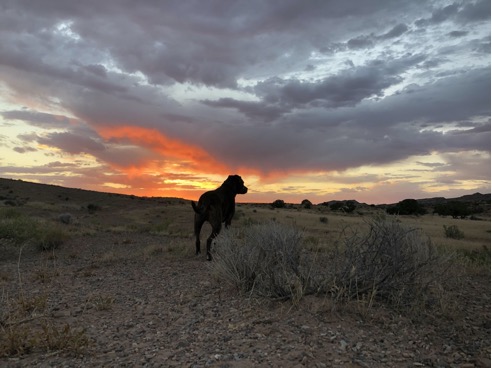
[
  {"x": 25, "y": 188},
  {"x": 477, "y": 198},
  {"x": 472, "y": 198}
]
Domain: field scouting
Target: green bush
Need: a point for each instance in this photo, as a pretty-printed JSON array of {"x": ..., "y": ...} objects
[
  {"x": 50, "y": 238},
  {"x": 344, "y": 206},
  {"x": 453, "y": 232},
  {"x": 306, "y": 203},
  {"x": 407, "y": 207},
  {"x": 19, "y": 230},
  {"x": 92, "y": 208},
  {"x": 279, "y": 203},
  {"x": 454, "y": 208}
]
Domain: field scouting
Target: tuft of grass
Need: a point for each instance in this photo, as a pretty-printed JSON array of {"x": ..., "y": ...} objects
[
  {"x": 453, "y": 232},
  {"x": 50, "y": 237},
  {"x": 265, "y": 260},
  {"x": 18, "y": 340},
  {"x": 152, "y": 250},
  {"x": 64, "y": 338},
  {"x": 103, "y": 302},
  {"x": 17, "y": 228},
  {"x": 20, "y": 229}
]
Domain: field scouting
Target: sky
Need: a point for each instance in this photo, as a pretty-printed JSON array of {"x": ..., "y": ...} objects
[{"x": 374, "y": 100}]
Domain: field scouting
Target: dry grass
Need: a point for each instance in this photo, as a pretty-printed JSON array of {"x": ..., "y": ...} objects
[{"x": 25, "y": 324}]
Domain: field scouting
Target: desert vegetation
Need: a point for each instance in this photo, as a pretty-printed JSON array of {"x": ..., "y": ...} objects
[
  {"x": 99, "y": 279},
  {"x": 382, "y": 261}
]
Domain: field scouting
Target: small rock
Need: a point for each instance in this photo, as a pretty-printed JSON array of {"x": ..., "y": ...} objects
[
  {"x": 483, "y": 363},
  {"x": 61, "y": 314}
]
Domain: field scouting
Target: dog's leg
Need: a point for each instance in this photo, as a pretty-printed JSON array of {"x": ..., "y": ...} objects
[
  {"x": 198, "y": 227},
  {"x": 215, "y": 232}
]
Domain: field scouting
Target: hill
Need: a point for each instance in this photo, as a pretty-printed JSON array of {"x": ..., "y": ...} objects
[{"x": 18, "y": 191}]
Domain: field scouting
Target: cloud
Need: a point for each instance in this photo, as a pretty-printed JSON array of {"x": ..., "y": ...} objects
[
  {"x": 36, "y": 118},
  {"x": 396, "y": 31},
  {"x": 270, "y": 89}
]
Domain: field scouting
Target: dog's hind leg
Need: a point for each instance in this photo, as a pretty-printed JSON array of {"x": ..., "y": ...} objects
[{"x": 215, "y": 232}]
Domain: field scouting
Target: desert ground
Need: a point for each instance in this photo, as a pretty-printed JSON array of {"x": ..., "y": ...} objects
[{"x": 124, "y": 288}]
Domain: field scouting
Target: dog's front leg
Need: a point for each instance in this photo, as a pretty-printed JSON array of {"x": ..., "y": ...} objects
[
  {"x": 209, "y": 246},
  {"x": 197, "y": 246},
  {"x": 198, "y": 227}
]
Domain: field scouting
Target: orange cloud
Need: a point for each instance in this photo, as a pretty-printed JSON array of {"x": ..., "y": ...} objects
[{"x": 194, "y": 158}]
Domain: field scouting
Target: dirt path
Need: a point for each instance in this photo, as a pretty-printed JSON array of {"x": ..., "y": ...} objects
[{"x": 141, "y": 305}]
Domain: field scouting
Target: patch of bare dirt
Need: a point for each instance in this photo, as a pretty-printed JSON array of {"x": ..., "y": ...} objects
[{"x": 140, "y": 304}]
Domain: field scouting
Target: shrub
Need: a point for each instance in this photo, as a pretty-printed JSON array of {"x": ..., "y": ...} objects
[
  {"x": 306, "y": 203},
  {"x": 278, "y": 204},
  {"x": 50, "y": 237},
  {"x": 453, "y": 232},
  {"x": 454, "y": 208},
  {"x": 265, "y": 260},
  {"x": 19, "y": 230},
  {"x": 323, "y": 219},
  {"x": 344, "y": 206},
  {"x": 407, "y": 207},
  {"x": 93, "y": 207},
  {"x": 65, "y": 218},
  {"x": 390, "y": 262}
]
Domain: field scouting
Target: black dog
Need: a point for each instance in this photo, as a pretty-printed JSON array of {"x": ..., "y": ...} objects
[{"x": 216, "y": 207}]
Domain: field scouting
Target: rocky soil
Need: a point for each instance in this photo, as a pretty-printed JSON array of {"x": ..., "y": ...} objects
[{"x": 130, "y": 299}]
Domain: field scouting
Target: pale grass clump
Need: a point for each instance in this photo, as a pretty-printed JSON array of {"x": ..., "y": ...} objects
[
  {"x": 389, "y": 262},
  {"x": 384, "y": 261},
  {"x": 265, "y": 260}
]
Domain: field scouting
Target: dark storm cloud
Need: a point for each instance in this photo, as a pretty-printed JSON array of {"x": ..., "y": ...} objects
[
  {"x": 268, "y": 85},
  {"x": 463, "y": 12},
  {"x": 252, "y": 109},
  {"x": 373, "y": 132},
  {"x": 347, "y": 88}
]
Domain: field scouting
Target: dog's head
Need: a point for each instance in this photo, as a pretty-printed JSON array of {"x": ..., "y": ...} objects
[{"x": 236, "y": 183}]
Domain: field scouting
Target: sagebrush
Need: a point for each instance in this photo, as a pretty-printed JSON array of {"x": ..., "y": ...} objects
[
  {"x": 386, "y": 261},
  {"x": 390, "y": 262},
  {"x": 264, "y": 260}
]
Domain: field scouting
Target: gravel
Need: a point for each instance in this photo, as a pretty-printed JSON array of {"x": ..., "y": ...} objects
[{"x": 155, "y": 309}]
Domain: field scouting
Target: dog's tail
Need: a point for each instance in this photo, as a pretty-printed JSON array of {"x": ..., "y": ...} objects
[{"x": 195, "y": 208}]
